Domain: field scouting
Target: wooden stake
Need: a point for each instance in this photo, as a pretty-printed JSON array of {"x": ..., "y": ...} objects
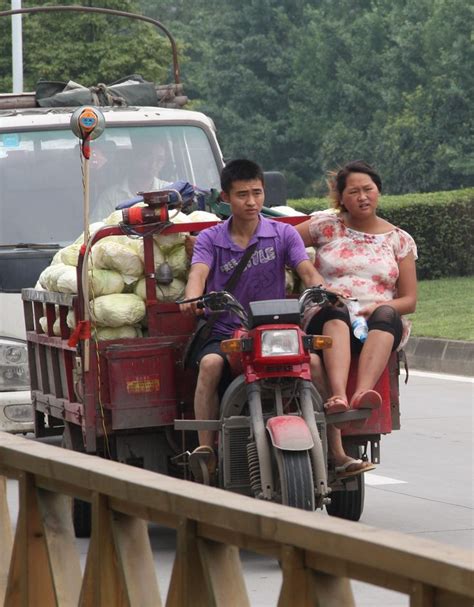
[{"x": 6, "y": 538}]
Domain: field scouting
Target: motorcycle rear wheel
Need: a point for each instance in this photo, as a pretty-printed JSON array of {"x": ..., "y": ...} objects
[
  {"x": 296, "y": 479},
  {"x": 348, "y": 504}
]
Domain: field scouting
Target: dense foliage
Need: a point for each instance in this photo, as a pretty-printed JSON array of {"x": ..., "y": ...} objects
[
  {"x": 441, "y": 223},
  {"x": 299, "y": 85},
  {"x": 86, "y": 48},
  {"x": 305, "y": 85}
]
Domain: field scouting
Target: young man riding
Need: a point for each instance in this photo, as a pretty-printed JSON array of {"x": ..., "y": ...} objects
[{"x": 216, "y": 254}]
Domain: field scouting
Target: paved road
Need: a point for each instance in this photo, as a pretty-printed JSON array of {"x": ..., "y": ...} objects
[{"x": 424, "y": 487}]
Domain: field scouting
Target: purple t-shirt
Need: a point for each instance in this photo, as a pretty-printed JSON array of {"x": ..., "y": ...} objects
[{"x": 279, "y": 245}]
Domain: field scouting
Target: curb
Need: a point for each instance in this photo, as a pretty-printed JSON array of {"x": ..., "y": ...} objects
[{"x": 441, "y": 355}]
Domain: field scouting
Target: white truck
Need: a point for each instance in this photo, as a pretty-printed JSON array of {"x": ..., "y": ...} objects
[{"x": 41, "y": 197}]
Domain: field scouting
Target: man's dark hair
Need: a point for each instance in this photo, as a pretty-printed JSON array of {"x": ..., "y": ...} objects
[{"x": 240, "y": 169}]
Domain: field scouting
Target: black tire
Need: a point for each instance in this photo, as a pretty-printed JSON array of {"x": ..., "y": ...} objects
[
  {"x": 348, "y": 504},
  {"x": 82, "y": 518},
  {"x": 296, "y": 479},
  {"x": 81, "y": 510}
]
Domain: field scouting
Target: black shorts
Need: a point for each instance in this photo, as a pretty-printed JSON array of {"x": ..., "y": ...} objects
[{"x": 383, "y": 318}]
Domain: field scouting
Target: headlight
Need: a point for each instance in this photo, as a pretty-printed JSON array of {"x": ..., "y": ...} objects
[
  {"x": 14, "y": 373},
  {"x": 280, "y": 343}
]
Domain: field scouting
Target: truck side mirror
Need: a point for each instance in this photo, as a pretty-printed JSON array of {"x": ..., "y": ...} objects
[{"x": 275, "y": 189}]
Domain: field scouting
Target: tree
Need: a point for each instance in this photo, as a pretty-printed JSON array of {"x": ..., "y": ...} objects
[{"x": 84, "y": 47}]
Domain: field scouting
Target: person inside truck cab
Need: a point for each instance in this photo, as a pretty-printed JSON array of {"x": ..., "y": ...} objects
[
  {"x": 137, "y": 169},
  {"x": 217, "y": 251}
]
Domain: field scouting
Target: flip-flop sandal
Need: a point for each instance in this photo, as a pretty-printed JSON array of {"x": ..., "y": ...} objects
[
  {"x": 367, "y": 399},
  {"x": 343, "y": 472},
  {"x": 336, "y": 404},
  {"x": 202, "y": 463}
]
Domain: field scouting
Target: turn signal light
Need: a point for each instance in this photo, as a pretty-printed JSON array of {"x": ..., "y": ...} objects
[
  {"x": 228, "y": 346},
  {"x": 321, "y": 342}
]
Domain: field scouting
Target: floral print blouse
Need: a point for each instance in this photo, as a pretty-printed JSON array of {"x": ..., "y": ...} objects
[{"x": 365, "y": 265}]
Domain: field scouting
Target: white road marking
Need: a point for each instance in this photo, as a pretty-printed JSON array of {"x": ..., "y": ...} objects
[
  {"x": 461, "y": 378},
  {"x": 377, "y": 479}
]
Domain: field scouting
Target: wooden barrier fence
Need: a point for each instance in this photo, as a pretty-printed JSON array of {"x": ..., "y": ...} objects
[{"x": 319, "y": 555}]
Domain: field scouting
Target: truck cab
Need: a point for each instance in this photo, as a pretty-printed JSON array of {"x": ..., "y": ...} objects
[{"x": 41, "y": 201}]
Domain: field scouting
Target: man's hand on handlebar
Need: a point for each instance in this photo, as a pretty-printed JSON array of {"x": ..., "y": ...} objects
[{"x": 193, "y": 306}]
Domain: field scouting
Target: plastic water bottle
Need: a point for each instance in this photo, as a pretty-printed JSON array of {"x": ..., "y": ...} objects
[{"x": 358, "y": 323}]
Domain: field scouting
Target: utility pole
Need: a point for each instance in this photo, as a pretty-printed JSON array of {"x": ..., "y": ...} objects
[{"x": 17, "y": 49}]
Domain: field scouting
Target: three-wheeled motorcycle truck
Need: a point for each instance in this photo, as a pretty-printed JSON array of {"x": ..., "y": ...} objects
[{"x": 131, "y": 400}]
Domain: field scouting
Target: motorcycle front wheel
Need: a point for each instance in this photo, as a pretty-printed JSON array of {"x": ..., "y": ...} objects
[{"x": 296, "y": 478}]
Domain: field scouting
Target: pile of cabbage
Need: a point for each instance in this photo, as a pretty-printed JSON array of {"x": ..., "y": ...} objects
[{"x": 117, "y": 289}]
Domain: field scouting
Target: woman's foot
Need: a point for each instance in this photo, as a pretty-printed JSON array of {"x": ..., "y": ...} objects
[
  {"x": 352, "y": 467},
  {"x": 336, "y": 404},
  {"x": 366, "y": 399}
]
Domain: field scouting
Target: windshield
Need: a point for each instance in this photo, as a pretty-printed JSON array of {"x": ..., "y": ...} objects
[{"x": 41, "y": 194}]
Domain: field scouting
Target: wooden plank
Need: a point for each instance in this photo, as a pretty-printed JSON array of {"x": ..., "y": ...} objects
[
  {"x": 153, "y": 516},
  {"x": 6, "y": 538},
  {"x": 243, "y": 541},
  {"x": 29, "y": 581},
  {"x": 421, "y": 595},
  {"x": 187, "y": 586},
  {"x": 223, "y": 573},
  {"x": 389, "y": 553},
  {"x": 306, "y": 588},
  {"x": 357, "y": 571},
  {"x": 65, "y": 566},
  {"x": 102, "y": 585},
  {"x": 451, "y": 599},
  {"x": 136, "y": 560}
]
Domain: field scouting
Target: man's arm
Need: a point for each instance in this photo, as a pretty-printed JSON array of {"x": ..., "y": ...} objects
[
  {"x": 308, "y": 274},
  {"x": 195, "y": 287}
]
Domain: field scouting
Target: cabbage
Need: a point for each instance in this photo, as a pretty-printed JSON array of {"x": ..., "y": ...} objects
[
  {"x": 101, "y": 282},
  {"x": 126, "y": 331},
  {"x": 110, "y": 255},
  {"x": 48, "y": 278},
  {"x": 114, "y": 218},
  {"x": 169, "y": 241},
  {"x": 43, "y": 321},
  {"x": 289, "y": 281},
  {"x": 117, "y": 310},
  {"x": 157, "y": 254},
  {"x": 178, "y": 260},
  {"x": 311, "y": 254},
  {"x": 104, "y": 282},
  {"x": 198, "y": 216},
  {"x": 67, "y": 282},
  {"x": 93, "y": 227},
  {"x": 57, "y": 258},
  {"x": 169, "y": 292},
  {"x": 288, "y": 211},
  {"x": 71, "y": 319},
  {"x": 69, "y": 255}
]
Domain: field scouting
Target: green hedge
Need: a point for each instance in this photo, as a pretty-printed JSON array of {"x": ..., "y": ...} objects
[{"x": 442, "y": 224}]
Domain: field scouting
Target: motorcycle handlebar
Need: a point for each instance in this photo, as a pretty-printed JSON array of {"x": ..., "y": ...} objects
[
  {"x": 321, "y": 296},
  {"x": 217, "y": 301}
]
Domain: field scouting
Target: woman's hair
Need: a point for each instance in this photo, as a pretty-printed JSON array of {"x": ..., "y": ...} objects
[{"x": 337, "y": 180}]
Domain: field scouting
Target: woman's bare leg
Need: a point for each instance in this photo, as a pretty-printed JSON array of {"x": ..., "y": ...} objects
[
  {"x": 337, "y": 359},
  {"x": 373, "y": 359},
  {"x": 335, "y": 446}
]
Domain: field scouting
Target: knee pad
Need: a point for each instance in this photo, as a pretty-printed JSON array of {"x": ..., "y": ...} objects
[{"x": 386, "y": 318}]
